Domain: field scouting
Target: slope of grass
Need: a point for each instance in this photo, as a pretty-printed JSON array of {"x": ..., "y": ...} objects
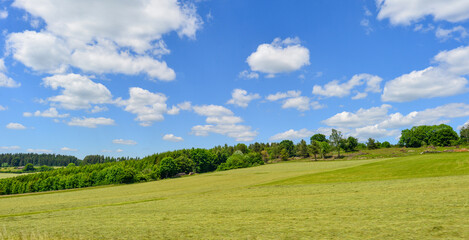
[
  {"x": 232, "y": 205},
  {"x": 9, "y": 175},
  {"x": 428, "y": 165}
]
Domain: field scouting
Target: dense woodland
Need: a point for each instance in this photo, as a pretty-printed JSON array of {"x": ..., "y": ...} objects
[
  {"x": 21, "y": 159},
  {"x": 97, "y": 170}
]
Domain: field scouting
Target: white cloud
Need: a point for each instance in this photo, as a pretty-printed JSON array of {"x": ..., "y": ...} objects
[
  {"x": 128, "y": 33},
  {"x": 335, "y": 89},
  {"x": 278, "y": 57},
  {"x": 38, "y": 150},
  {"x": 292, "y": 135},
  {"x": 172, "y": 138},
  {"x": 124, "y": 142},
  {"x": 40, "y": 51},
  {"x": 15, "y": 126},
  {"x": 66, "y": 149},
  {"x": 149, "y": 107},
  {"x": 293, "y": 99},
  {"x": 282, "y": 95},
  {"x": 241, "y": 97},
  {"x": 248, "y": 75},
  {"x": 373, "y": 131},
  {"x": 3, "y": 14},
  {"x": 429, "y": 116},
  {"x": 406, "y": 12},
  {"x": 445, "y": 34},
  {"x": 97, "y": 109},
  {"x": 375, "y": 122},
  {"x": 445, "y": 79},
  {"x": 299, "y": 103},
  {"x": 428, "y": 83},
  {"x": 50, "y": 113},
  {"x": 2, "y": 108},
  {"x": 90, "y": 122},
  {"x": 363, "y": 117},
  {"x": 6, "y": 81},
  {"x": 222, "y": 121},
  {"x": 79, "y": 92},
  {"x": 119, "y": 150},
  {"x": 10, "y": 148},
  {"x": 212, "y": 110}
]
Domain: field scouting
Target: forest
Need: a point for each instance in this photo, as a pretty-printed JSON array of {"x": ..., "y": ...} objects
[{"x": 97, "y": 170}]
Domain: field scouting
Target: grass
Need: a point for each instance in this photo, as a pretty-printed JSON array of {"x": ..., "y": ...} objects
[
  {"x": 9, "y": 175},
  {"x": 417, "y": 197}
]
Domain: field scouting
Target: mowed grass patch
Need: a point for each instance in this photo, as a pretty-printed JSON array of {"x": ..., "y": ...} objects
[
  {"x": 9, "y": 175},
  {"x": 426, "y": 165},
  {"x": 229, "y": 205}
]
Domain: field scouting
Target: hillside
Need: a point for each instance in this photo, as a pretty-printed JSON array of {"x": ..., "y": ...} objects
[{"x": 417, "y": 197}]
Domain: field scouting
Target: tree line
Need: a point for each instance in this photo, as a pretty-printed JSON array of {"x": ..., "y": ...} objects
[
  {"x": 21, "y": 159},
  {"x": 97, "y": 170}
]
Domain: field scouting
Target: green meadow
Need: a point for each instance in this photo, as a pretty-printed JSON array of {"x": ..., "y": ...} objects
[
  {"x": 412, "y": 197},
  {"x": 9, "y": 175}
]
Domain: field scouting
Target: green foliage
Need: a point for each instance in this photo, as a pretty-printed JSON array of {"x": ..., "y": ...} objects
[
  {"x": 349, "y": 145},
  {"x": 240, "y": 160},
  {"x": 436, "y": 135},
  {"x": 288, "y": 146},
  {"x": 284, "y": 154},
  {"x": 385, "y": 144},
  {"x": 371, "y": 144},
  {"x": 302, "y": 149},
  {"x": 336, "y": 139},
  {"x": 318, "y": 137},
  {"x": 315, "y": 149},
  {"x": 29, "y": 168},
  {"x": 204, "y": 160},
  {"x": 21, "y": 159},
  {"x": 464, "y": 134},
  {"x": 324, "y": 149},
  {"x": 167, "y": 168}
]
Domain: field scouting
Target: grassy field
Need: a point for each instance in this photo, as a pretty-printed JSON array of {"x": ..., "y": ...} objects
[
  {"x": 9, "y": 175},
  {"x": 414, "y": 197}
]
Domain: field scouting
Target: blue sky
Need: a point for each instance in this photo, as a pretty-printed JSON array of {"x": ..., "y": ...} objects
[{"x": 131, "y": 78}]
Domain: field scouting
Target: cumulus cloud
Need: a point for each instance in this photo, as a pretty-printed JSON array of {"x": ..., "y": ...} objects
[
  {"x": 49, "y": 113},
  {"x": 445, "y": 34},
  {"x": 172, "y": 138},
  {"x": 222, "y": 121},
  {"x": 66, "y": 149},
  {"x": 282, "y": 95},
  {"x": 2, "y": 108},
  {"x": 124, "y": 142},
  {"x": 362, "y": 117},
  {"x": 79, "y": 92},
  {"x": 90, "y": 122},
  {"x": 3, "y": 14},
  {"x": 9, "y": 148},
  {"x": 149, "y": 107},
  {"x": 292, "y": 135},
  {"x": 15, "y": 126},
  {"x": 336, "y": 89},
  {"x": 377, "y": 122},
  {"x": 406, "y": 12},
  {"x": 128, "y": 33},
  {"x": 444, "y": 79},
  {"x": 38, "y": 150},
  {"x": 293, "y": 99},
  {"x": 248, "y": 75},
  {"x": 241, "y": 97},
  {"x": 280, "y": 56},
  {"x": 6, "y": 81}
]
